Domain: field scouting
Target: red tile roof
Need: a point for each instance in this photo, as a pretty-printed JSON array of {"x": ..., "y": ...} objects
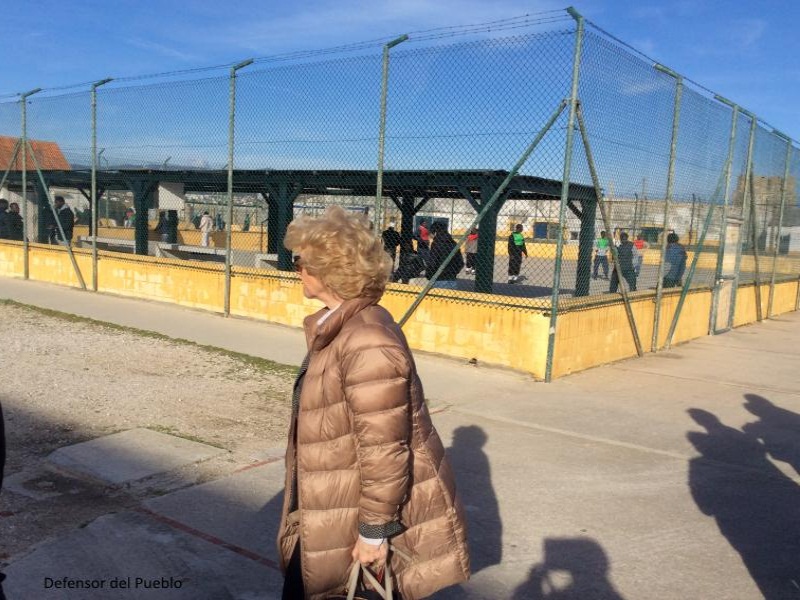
[{"x": 48, "y": 155}]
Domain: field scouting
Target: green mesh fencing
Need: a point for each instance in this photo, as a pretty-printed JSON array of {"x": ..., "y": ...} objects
[{"x": 463, "y": 107}]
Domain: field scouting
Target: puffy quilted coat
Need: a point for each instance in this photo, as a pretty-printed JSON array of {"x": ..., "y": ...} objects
[{"x": 368, "y": 460}]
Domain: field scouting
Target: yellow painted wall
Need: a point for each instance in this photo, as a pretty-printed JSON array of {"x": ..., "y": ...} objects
[
  {"x": 253, "y": 241},
  {"x": 785, "y": 297},
  {"x": 172, "y": 281},
  {"x": 782, "y": 302},
  {"x": 11, "y": 259},
  {"x": 590, "y": 337},
  {"x": 52, "y": 264},
  {"x": 444, "y": 323},
  {"x": 746, "y": 303},
  {"x": 256, "y": 241}
]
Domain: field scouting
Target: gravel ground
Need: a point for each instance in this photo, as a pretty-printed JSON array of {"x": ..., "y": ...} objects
[{"x": 68, "y": 380}]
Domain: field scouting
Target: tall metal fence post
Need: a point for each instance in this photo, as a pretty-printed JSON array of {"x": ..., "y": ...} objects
[
  {"x": 93, "y": 210},
  {"x": 573, "y": 106},
  {"x": 607, "y": 224},
  {"x": 777, "y": 241},
  {"x": 24, "y": 148},
  {"x": 379, "y": 217},
  {"x": 60, "y": 235},
  {"x": 676, "y": 115},
  {"x": 487, "y": 206},
  {"x": 745, "y": 213},
  {"x": 754, "y": 237},
  {"x": 229, "y": 228},
  {"x": 687, "y": 284},
  {"x": 723, "y": 231}
]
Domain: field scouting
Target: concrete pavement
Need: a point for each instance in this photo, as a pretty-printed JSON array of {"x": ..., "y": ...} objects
[{"x": 668, "y": 477}]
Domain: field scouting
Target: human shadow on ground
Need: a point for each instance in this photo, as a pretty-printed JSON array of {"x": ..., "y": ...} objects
[
  {"x": 572, "y": 569},
  {"x": 756, "y": 506},
  {"x": 475, "y": 489},
  {"x": 777, "y": 428}
]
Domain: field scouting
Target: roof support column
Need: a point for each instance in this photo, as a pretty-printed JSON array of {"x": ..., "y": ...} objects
[
  {"x": 142, "y": 199},
  {"x": 585, "y": 247}
]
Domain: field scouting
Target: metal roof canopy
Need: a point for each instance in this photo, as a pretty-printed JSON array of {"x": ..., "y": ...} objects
[
  {"x": 440, "y": 184},
  {"x": 280, "y": 188}
]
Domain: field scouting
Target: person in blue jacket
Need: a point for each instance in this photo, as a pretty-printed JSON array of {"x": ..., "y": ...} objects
[{"x": 675, "y": 259}]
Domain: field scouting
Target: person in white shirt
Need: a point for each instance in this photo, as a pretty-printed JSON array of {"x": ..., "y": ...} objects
[{"x": 206, "y": 225}]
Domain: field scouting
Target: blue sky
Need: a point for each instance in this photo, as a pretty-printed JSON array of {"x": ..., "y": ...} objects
[
  {"x": 475, "y": 105},
  {"x": 741, "y": 49}
]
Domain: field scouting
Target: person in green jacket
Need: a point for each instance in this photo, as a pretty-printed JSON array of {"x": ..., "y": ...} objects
[{"x": 516, "y": 248}]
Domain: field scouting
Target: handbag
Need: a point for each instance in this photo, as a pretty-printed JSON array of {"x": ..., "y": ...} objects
[{"x": 379, "y": 591}]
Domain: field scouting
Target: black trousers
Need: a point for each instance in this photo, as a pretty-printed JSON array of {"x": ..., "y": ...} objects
[
  {"x": 629, "y": 276},
  {"x": 293, "y": 588}
]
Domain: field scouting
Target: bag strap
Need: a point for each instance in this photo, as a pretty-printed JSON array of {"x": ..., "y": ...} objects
[{"x": 386, "y": 591}]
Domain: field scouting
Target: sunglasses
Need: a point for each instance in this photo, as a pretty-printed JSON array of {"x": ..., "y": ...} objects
[{"x": 298, "y": 263}]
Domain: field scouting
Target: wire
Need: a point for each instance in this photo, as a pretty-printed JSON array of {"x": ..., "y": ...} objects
[
  {"x": 526, "y": 20},
  {"x": 651, "y": 60}
]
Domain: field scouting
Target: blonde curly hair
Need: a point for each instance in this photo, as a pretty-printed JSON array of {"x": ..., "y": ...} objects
[{"x": 340, "y": 249}]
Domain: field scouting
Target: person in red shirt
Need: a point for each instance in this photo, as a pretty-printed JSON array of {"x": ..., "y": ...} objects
[
  {"x": 640, "y": 246},
  {"x": 472, "y": 250},
  {"x": 423, "y": 241}
]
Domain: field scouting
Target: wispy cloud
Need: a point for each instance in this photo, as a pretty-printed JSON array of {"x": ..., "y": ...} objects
[
  {"x": 750, "y": 31},
  {"x": 162, "y": 49},
  {"x": 649, "y": 12},
  {"x": 651, "y": 86},
  {"x": 734, "y": 39},
  {"x": 663, "y": 14},
  {"x": 317, "y": 25},
  {"x": 645, "y": 45}
]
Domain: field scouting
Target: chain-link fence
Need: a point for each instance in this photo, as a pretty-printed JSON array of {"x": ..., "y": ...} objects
[{"x": 570, "y": 168}]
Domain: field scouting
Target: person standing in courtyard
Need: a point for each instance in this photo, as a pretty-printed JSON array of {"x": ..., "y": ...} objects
[
  {"x": 66, "y": 218},
  {"x": 410, "y": 265},
  {"x": 640, "y": 246},
  {"x": 161, "y": 226},
  {"x": 675, "y": 259},
  {"x": 601, "y": 255},
  {"x": 423, "y": 241},
  {"x": 624, "y": 264},
  {"x": 471, "y": 249},
  {"x": 365, "y": 466},
  {"x": 14, "y": 222},
  {"x": 441, "y": 247},
  {"x": 516, "y": 249},
  {"x": 4, "y": 234},
  {"x": 206, "y": 225},
  {"x": 391, "y": 240}
]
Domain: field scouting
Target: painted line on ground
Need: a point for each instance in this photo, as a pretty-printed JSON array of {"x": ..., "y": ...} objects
[
  {"x": 744, "y": 386},
  {"x": 262, "y": 560},
  {"x": 573, "y": 434}
]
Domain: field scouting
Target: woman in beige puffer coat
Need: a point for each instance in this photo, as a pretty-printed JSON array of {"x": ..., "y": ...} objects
[{"x": 364, "y": 464}]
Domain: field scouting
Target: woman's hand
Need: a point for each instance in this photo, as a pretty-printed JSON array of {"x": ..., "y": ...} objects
[{"x": 369, "y": 554}]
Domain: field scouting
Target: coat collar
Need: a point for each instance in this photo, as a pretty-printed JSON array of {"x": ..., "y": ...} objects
[{"x": 319, "y": 336}]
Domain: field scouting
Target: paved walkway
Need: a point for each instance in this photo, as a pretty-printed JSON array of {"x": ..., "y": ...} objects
[{"x": 668, "y": 477}]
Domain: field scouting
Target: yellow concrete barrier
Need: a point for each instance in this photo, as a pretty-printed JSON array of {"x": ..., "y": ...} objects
[{"x": 446, "y": 322}]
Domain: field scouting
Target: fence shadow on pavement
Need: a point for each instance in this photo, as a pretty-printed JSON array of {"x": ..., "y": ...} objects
[{"x": 755, "y": 505}]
